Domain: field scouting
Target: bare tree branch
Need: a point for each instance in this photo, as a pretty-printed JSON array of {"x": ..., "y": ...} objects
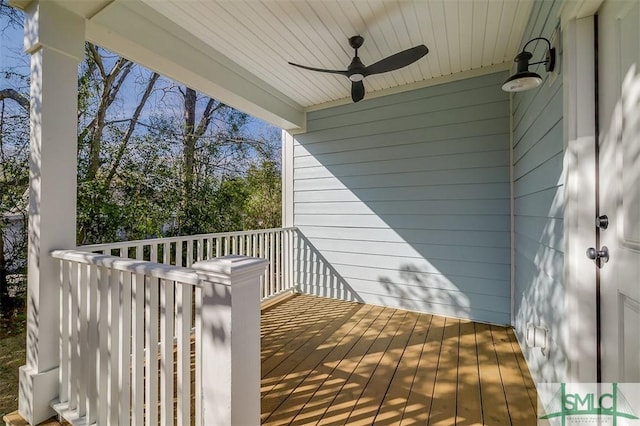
[
  {"x": 13, "y": 16},
  {"x": 207, "y": 115},
  {"x": 97, "y": 59},
  {"x": 119, "y": 71},
  {"x": 15, "y": 96},
  {"x": 130, "y": 129},
  {"x": 124, "y": 70}
]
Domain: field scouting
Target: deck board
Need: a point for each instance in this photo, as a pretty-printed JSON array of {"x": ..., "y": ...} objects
[
  {"x": 521, "y": 411},
  {"x": 368, "y": 405},
  {"x": 359, "y": 364},
  {"x": 494, "y": 403},
  {"x": 296, "y": 405},
  {"x": 352, "y": 390},
  {"x": 524, "y": 369},
  {"x": 443, "y": 402},
  {"x": 418, "y": 405},
  {"x": 392, "y": 407},
  {"x": 280, "y": 382},
  {"x": 339, "y": 375},
  {"x": 469, "y": 403}
]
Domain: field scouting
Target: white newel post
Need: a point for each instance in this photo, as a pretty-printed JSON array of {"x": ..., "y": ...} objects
[
  {"x": 55, "y": 39},
  {"x": 229, "y": 333}
]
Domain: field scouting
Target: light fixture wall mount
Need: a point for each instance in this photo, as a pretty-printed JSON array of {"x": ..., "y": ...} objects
[{"x": 523, "y": 79}]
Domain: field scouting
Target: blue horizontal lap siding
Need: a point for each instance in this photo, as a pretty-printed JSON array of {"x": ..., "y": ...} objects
[
  {"x": 406, "y": 197},
  {"x": 477, "y": 191},
  {"x": 417, "y": 236},
  {"x": 538, "y": 207},
  {"x": 430, "y": 251},
  {"x": 421, "y": 207}
]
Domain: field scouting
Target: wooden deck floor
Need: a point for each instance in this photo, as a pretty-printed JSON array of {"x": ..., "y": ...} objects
[{"x": 331, "y": 362}]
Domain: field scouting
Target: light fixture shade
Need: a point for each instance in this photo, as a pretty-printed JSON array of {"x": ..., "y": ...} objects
[{"x": 522, "y": 81}]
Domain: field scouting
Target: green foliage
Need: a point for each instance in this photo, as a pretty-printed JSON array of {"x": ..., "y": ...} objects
[
  {"x": 12, "y": 355},
  {"x": 14, "y": 180},
  {"x": 149, "y": 172},
  {"x": 245, "y": 201},
  {"x": 98, "y": 214},
  {"x": 192, "y": 165},
  {"x": 262, "y": 205}
]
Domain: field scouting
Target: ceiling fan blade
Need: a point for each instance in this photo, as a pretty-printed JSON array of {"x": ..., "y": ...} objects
[
  {"x": 320, "y": 69},
  {"x": 357, "y": 91},
  {"x": 399, "y": 60}
]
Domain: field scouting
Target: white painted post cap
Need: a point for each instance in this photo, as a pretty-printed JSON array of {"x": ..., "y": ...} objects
[{"x": 231, "y": 268}]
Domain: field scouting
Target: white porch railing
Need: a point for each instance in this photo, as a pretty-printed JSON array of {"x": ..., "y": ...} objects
[
  {"x": 127, "y": 314},
  {"x": 110, "y": 310},
  {"x": 126, "y": 348},
  {"x": 276, "y": 245}
]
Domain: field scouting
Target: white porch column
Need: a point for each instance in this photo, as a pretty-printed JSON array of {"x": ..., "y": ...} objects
[
  {"x": 229, "y": 333},
  {"x": 287, "y": 179},
  {"x": 55, "y": 39}
]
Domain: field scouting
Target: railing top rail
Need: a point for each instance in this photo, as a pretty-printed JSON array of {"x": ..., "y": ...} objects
[
  {"x": 151, "y": 241},
  {"x": 143, "y": 267}
]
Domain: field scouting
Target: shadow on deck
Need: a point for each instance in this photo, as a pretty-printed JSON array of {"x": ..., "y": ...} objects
[{"x": 331, "y": 362}]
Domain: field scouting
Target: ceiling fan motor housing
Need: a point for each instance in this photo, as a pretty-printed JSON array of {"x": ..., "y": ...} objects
[
  {"x": 356, "y": 41},
  {"x": 357, "y": 71}
]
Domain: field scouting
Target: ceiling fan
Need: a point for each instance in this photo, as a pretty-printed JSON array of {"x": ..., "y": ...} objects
[{"x": 357, "y": 71}]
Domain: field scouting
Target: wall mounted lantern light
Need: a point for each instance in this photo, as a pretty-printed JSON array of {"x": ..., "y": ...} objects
[{"x": 524, "y": 79}]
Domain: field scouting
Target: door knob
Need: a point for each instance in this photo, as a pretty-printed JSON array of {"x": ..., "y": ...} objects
[{"x": 601, "y": 255}]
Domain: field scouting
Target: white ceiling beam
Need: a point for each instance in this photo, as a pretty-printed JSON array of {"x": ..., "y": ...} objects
[
  {"x": 136, "y": 31},
  {"x": 20, "y": 4}
]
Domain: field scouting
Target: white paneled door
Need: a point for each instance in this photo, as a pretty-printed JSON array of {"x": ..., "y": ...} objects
[{"x": 619, "y": 157}]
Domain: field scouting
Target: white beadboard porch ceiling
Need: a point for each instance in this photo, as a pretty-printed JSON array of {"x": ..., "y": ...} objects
[
  {"x": 262, "y": 36},
  {"x": 238, "y": 50}
]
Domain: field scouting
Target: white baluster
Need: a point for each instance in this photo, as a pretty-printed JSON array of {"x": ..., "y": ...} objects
[{"x": 166, "y": 331}]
